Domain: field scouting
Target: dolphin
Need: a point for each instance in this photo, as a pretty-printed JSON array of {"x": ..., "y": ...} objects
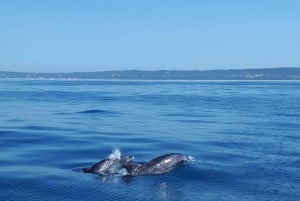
[
  {"x": 108, "y": 166},
  {"x": 159, "y": 165}
]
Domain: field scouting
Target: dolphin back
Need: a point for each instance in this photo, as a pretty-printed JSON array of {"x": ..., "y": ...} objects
[
  {"x": 165, "y": 163},
  {"x": 159, "y": 165},
  {"x": 108, "y": 166}
]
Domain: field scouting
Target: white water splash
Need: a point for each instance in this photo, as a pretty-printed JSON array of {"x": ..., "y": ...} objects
[
  {"x": 191, "y": 159},
  {"x": 115, "y": 154},
  {"x": 123, "y": 172}
]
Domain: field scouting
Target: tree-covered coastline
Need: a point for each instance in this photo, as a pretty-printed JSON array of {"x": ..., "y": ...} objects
[{"x": 285, "y": 73}]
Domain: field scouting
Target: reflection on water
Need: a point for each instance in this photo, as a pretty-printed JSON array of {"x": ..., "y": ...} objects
[{"x": 167, "y": 193}]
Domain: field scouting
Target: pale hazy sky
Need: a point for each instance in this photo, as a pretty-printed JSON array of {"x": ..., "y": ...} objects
[{"x": 95, "y": 35}]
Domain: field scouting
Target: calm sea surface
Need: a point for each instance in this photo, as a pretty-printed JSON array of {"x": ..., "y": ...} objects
[{"x": 245, "y": 137}]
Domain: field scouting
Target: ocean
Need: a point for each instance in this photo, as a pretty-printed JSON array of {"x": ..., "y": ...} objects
[{"x": 244, "y": 137}]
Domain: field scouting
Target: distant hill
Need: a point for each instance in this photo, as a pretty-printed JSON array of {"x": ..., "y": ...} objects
[{"x": 243, "y": 74}]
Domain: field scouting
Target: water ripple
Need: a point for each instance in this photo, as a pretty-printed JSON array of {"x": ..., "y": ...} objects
[{"x": 244, "y": 136}]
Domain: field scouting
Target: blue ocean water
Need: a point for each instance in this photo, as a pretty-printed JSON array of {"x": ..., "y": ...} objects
[{"x": 245, "y": 137}]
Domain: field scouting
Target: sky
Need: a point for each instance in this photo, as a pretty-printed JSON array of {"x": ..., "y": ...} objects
[{"x": 96, "y": 35}]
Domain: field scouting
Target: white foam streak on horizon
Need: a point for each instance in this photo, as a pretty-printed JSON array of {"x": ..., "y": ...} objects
[{"x": 116, "y": 154}]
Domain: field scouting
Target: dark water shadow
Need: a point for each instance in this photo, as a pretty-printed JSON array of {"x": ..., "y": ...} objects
[{"x": 96, "y": 111}]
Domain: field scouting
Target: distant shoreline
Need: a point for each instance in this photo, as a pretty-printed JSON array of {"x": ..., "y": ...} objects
[
  {"x": 280, "y": 74},
  {"x": 132, "y": 80}
]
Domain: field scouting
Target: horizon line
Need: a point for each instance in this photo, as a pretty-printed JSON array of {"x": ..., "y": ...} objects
[{"x": 133, "y": 69}]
